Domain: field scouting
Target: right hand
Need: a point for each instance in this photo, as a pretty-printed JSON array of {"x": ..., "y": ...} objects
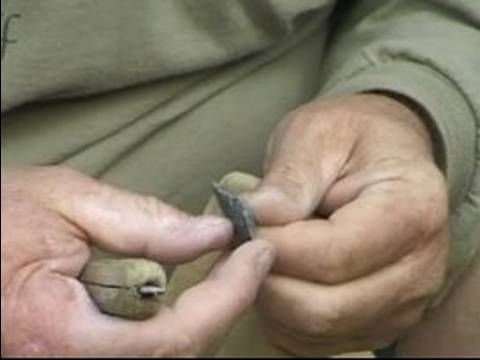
[{"x": 50, "y": 216}]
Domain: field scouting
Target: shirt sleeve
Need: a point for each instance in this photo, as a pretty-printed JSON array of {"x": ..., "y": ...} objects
[{"x": 429, "y": 53}]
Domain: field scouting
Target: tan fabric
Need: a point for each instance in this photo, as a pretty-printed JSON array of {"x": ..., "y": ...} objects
[
  {"x": 170, "y": 139},
  {"x": 55, "y": 49}
]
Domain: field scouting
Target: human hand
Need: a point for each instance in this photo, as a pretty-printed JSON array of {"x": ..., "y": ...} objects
[
  {"x": 50, "y": 216},
  {"x": 358, "y": 213}
]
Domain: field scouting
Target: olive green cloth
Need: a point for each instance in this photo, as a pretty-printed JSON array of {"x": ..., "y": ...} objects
[{"x": 165, "y": 96}]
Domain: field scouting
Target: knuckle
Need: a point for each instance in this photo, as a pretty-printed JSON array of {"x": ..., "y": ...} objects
[
  {"x": 330, "y": 273},
  {"x": 332, "y": 320},
  {"x": 61, "y": 185},
  {"x": 332, "y": 277},
  {"x": 155, "y": 208},
  {"x": 300, "y": 117},
  {"x": 431, "y": 201},
  {"x": 436, "y": 270},
  {"x": 324, "y": 322},
  {"x": 334, "y": 265}
]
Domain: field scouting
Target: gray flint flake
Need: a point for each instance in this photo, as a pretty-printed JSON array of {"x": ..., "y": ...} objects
[{"x": 238, "y": 212}]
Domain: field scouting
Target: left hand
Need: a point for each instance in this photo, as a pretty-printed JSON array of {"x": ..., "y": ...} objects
[
  {"x": 50, "y": 217},
  {"x": 358, "y": 213}
]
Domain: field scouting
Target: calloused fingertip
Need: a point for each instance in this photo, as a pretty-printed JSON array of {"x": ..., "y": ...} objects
[
  {"x": 260, "y": 201},
  {"x": 261, "y": 197},
  {"x": 273, "y": 206}
]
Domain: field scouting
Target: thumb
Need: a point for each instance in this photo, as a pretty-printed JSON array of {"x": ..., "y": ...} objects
[
  {"x": 303, "y": 161},
  {"x": 135, "y": 225},
  {"x": 290, "y": 191},
  {"x": 201, "y": 315},
  {"x": 207, "y": 310}
]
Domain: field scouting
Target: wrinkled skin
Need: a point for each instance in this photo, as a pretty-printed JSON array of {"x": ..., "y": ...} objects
[
  {"x": 50, "y": 217},
  {"x": 358, "y": 213}
]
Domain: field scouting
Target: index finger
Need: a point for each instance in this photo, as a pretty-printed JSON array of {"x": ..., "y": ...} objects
[{"x": 380, "y": 226}]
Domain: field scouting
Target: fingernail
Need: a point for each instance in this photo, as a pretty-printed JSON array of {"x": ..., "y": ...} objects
[
  {"x": 256, "y": 201},
  {"x": 259, "y": 197},
  {"x": 272, "y": 206},
  {"x": 264, "y": 197}
]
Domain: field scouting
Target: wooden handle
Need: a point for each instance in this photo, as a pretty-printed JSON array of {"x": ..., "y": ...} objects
[{"x": 129, "y": 288}]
